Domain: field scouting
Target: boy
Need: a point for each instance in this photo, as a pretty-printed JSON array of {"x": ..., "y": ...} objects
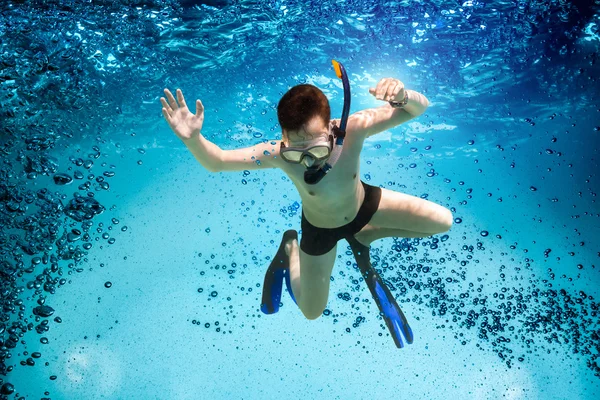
[{"x": 338, "y": 206}]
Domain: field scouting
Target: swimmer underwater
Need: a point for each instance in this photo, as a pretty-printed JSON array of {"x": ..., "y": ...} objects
[{"x": 321, "y": 156}]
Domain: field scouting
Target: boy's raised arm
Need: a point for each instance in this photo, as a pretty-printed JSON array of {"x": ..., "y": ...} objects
[
  {"x": 187, "y": 127},
  {"x": 260, "y": 156}
]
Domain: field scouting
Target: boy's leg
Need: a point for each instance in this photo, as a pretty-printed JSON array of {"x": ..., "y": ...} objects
[
  {"x": 410, "y": 213},
  {"x": 292, "y": 250},
  {"x": 310, "y": 277},
  {"x": 303, "y": 273}
]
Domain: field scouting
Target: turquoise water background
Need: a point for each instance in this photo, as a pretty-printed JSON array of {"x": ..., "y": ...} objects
[{"x": 165, "y": 303}]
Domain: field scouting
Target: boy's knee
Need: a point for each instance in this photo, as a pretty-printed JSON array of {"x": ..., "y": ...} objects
[
  {"x": 312, "y": 317},
  {"x": 311, "y": 314},
  {"x": 448, "y": 220}
]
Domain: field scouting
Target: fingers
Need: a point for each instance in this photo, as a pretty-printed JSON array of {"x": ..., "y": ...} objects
[
  {"x": 199, "y": 108},
  {"x": 387, "y": 89},
  {"x": 172, "y": 105},
  {"x": 166, "y": 107},
  {"x": 389, "y": 94},
  {"x": 384, "y": 91},
  {"x": 171, "y": 99},
  {"x": 180, "y": 99},
  {"x": 166, "y": 115},
  {"x": 381, "y": 88},
  {"x": 398, "y": 93}
]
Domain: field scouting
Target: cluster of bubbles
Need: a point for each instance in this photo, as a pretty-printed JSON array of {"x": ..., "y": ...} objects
[
  {"x": 49, "y": 206},
  {"x": 515, "y": 320},
  {"x": 45, "y": 235},
  {"x": 291, "y": 210}
]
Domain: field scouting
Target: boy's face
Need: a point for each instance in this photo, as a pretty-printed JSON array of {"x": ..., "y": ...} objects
[{"x": 315, "y": 132}]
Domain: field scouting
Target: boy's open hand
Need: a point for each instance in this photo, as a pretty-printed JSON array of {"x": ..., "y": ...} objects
[{"x": 180, "y": 119}]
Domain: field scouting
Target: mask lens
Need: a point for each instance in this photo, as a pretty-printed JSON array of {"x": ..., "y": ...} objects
[
  {"x": 292, "y": 155},
  {"x": 319, "y": 152}
]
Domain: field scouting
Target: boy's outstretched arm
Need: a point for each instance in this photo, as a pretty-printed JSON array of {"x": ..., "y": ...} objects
[{"x": 187, "y": 127}]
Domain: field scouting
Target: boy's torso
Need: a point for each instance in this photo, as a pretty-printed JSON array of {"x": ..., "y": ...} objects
[{"x": 336, "y": 199}]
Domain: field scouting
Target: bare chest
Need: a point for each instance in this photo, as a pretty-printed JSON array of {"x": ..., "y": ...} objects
[{"x": 336, "y": 199}]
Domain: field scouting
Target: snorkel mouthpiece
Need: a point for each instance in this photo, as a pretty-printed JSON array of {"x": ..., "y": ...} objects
[{"x": 314, "y": 175}]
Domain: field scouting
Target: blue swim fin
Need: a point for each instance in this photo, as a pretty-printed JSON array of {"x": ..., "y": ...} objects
[
  {"x": 277, "y": 271},
  {"x": 389, "y": 309}
]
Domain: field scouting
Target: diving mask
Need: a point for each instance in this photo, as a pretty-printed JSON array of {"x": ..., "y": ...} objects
[{"x": 318, "y": 150}]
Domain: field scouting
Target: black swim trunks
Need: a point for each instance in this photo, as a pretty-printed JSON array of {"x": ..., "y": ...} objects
[{"x": 318, "y": 241}]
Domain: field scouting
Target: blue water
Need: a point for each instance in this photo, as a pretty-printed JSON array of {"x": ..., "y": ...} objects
[{"x": 137, "y": 274}]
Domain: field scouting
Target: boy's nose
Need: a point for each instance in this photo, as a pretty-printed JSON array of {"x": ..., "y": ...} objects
[{"x": 308, "y": 161}]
